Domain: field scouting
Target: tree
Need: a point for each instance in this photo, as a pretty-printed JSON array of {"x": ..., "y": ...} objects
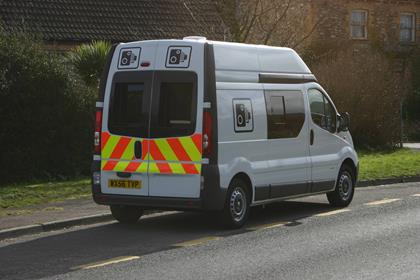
[
  {"x": 89, "y": 61},
  {"x": 277, "y": 22}
]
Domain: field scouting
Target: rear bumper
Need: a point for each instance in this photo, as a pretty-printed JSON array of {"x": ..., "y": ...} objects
[
  {"x": 149, "y": 201},
  {"x": 212, "y": 197}
]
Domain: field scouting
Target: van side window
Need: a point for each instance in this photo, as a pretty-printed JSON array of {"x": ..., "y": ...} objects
[
  {"x": 322, "y": 111},
  {"x": 285, "y": 113}
]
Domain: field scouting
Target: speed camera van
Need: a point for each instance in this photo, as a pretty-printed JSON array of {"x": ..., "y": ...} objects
[{"x": 195, "y": 124}]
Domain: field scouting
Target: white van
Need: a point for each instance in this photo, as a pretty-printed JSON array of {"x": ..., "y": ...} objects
[{"x": 194, "y": 124}]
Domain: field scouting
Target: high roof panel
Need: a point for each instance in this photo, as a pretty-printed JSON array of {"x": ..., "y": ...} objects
[{"x": 244, "y": 62}]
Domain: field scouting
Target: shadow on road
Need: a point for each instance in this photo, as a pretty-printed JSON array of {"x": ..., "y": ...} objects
[{"x": 57, "y": 254}]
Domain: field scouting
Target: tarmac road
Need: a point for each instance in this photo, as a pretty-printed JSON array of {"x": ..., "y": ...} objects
[{"x": 377, "y": 237}]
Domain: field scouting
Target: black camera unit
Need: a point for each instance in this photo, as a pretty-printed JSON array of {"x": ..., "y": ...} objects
[
  {"x": 242, "y": 115},
  {"x": 176, "y": 56},
  {"x": 127, "y": 58}
]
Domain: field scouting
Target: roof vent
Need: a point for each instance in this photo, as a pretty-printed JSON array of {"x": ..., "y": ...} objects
[{"x": 195, "y": 38}]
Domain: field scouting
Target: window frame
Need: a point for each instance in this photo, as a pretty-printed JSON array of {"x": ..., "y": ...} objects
[
  {"x": 325, "y": 97},
  {"x": 413, "y": 27},
  {"x": 352, "y": 24}
]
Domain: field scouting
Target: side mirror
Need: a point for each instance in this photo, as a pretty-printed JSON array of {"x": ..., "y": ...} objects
[{"x": 344, "y": 122}]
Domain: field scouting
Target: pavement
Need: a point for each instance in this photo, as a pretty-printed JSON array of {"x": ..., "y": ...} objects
[
  {"x": 376, "y": 237},
  {"x": 413, "y": 146},
  {"x": 47, "y": 213}
]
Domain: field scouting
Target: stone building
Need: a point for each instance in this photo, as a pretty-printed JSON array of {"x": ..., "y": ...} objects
[
  {"x": 62, "y": 24},
  {"x": 391, "y": 24},
  {"x": 390, "y": 27}
]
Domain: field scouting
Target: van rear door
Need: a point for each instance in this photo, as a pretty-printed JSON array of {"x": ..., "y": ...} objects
[
  {"x": 175, "y": 143},
  {"x": 125, "y": 129}
]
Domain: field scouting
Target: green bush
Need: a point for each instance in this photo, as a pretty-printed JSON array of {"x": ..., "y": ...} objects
[
  {"x": 45, "y": 113},
  {"x": 89, "y": 61}
]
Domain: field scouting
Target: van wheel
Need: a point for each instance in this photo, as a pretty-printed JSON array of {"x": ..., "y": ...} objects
[
  {"x": 344, "y": 190},
  {"x": 126, "y": 214},
  {"x": 236, "y": 210}
]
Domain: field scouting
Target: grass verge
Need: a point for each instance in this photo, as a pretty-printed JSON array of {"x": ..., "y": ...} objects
[
  {"x": 16, "y": 196},
  {"x": 389, "y": 164}
]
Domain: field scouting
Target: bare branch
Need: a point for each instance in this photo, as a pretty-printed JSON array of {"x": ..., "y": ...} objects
[
  {"x": 306, "y": 36},
  {"x": 276, "y": 22}
]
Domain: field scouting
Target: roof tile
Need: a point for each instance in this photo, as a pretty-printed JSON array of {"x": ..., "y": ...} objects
[{"x": 85, "y": 20}]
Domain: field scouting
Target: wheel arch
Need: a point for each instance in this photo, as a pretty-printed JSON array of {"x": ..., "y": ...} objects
[
  {"x": 354, "y": 168},
  {"x": 244, "y": 177}
]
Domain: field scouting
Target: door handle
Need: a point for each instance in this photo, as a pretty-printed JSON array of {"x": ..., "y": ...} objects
[
  {"x": 137, "y": 149},
  {"x": 312, "y": 136}
]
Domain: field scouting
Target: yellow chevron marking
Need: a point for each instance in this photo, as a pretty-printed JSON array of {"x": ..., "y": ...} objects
[
  {"x": 152, "y": 168},
  {"x": 166, "y": 150},
  {"x": 177, "y": 168},
  {"x": 142, "y": 167},
  {"x": 190, "y": 148},
  {"x": 198, "y": 167},
  {"x": 109, "y": 146},
  {"x": 106, "y": 262},
  {"x": 383, "y": 201},
  {"x": 129, "y": 150},
  {"x": 121, "y": 166}
]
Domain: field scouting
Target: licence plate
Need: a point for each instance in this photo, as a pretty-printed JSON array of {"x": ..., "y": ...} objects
[{"x": 126, "y": 184}]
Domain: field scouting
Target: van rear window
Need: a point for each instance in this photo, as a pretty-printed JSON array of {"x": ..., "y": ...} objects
[
  {"x": 174, "y": 104},
  {"x": 153, "y": 104},
  {"x": 128, "y": 113}
]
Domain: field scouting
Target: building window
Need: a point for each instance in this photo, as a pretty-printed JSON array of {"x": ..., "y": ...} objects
[
  {"x": 407, "y": 27},
  {"x": 358, "y": 24}
]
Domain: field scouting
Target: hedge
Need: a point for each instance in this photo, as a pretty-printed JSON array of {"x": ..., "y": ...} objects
[{"x": 46, "y": 113}]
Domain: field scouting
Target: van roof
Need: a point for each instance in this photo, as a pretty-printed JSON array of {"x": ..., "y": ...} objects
[{"x": 239, "y": 62}]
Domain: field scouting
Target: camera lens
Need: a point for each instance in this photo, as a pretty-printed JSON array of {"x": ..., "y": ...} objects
[{"x": 240, "y": 120}]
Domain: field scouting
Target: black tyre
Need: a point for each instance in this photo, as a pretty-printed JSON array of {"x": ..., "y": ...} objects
[
  {"x": 236, "y": 210},
  {"x": 126, "y": 214},
  {"x": 344, "y": 190}
]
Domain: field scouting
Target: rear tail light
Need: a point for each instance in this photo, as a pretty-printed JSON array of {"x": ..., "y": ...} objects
[
  {"x": 97, "y": 134},
  {"x": 207, "y": 134}
]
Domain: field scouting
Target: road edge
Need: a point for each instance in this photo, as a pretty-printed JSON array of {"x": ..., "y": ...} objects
[
  {"x": 105, "y": 217},
  {"x": 387, "y": 181},
  {"x": 54, "y": 225}
]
